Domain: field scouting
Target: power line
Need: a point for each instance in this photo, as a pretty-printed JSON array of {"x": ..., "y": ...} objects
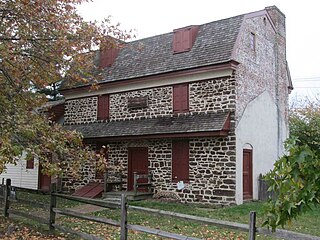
[
  {"x": 307, "y": 87},
  {"x": 311, "y": 79}
]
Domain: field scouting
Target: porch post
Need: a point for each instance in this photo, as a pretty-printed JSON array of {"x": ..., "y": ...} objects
[{"x": 135, "y": 178}]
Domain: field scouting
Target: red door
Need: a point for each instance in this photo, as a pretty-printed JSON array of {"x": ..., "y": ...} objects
[
  {"x": 247, "y": 174},
  {"x": 44, "y": 180},
  {"x": 137, "y": 162}
]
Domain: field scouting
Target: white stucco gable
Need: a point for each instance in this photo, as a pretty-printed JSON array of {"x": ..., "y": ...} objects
[{"x": 258, "y": 128}]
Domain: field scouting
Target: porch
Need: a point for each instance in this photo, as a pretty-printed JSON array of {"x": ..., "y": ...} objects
[
  {"x": 131, "y": 195},
  {"x": 141, "y": 189}
]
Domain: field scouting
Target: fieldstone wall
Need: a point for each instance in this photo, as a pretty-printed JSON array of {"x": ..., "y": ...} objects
[
  {"x": 159, "y": 104},
  {"x": 216, "y": 95},
  {"x": 81, "y": 110},
  {"x": 212, "y": 170},
  {"x": 70, "y": 182}
]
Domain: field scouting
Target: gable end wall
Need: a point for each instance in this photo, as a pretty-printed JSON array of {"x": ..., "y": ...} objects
[{"x": 261, "y": 86}]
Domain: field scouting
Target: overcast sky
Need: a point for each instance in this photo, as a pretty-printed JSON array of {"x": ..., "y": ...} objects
[{"x": 150, "y": 17}]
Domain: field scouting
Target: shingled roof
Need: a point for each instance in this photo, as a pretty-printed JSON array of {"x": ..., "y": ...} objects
[
  {"x": 214, "y": 44},
  {"x": 210, "y": 124}
]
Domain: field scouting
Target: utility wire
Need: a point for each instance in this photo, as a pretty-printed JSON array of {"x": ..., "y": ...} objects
[
  {"x": 306, "y": 79},
  {"x": 308, "y": 87}
]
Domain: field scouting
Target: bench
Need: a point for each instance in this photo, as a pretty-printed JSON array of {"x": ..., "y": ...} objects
[{"x": 145, "y": 184}]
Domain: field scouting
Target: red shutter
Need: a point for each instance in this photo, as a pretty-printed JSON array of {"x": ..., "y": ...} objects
[
  {"x": 180, "y": 160},
  {"x": 103, "y": 107},
  {"x": 108, "y": 56},
  {"x": 177, "y": 41},
  {"x": 185, "y": 98},
  {"x": 184, "y": 38},
  {"x": 181, "y": 98}
]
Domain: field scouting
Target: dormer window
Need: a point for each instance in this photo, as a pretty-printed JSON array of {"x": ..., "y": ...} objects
[
  {"x": 253, "y": 41},
  {"x": 183, "y": 38}
]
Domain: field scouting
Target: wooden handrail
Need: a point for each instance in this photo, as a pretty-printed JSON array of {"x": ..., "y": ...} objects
[{"x": 108, "y": 183}]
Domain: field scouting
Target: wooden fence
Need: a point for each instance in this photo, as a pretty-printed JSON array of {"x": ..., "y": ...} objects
[
  {"x": 6, "y": 197},
  {"x": 263, "y": 193}
]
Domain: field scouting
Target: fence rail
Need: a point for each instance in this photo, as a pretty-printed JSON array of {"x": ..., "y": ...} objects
[
  {"x": 53, "y": 211},
  {"x": 7, "y": 209}
]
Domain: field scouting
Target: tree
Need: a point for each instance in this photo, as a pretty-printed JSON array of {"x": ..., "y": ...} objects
[
  {"x": 42, "y": 42},
  {"x": 295, "y": 178},
  {"x": 52, "y": 92}
]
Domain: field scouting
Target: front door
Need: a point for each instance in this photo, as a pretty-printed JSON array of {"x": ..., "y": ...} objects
[
  {"x": 247, "y": 174},
  {"x": 137, "y": 162}
]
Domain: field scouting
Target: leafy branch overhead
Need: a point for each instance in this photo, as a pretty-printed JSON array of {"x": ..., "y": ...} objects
[
  {"x": 295, "y": 178},
  {"x": 41, "y": 43}
]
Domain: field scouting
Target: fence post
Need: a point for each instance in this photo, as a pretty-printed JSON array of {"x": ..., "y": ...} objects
[
  {"x": 123, "y": 223},
  {"x": 252, "y": 226},
  {"x": 53, "y": 204},
  {"x": 2, "y": 192},
  {"x": 6, "y": 197}
]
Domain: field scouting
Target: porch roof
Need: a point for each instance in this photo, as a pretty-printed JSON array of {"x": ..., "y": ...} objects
[{"x": 177, "y": 126}]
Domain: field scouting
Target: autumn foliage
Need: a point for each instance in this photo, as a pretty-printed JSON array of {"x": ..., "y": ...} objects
[{"x": 41, "y": 43}]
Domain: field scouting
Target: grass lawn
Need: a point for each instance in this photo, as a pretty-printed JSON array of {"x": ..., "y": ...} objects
[{"x": 308, "y": 223}]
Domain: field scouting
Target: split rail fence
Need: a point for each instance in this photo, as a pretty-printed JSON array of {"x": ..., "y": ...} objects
[{"x": 7, "y": 197}]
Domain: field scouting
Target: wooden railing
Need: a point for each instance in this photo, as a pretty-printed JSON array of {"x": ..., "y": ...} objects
[
  {"x": 112, "y": 180},
  {"x": 147, "y": 183}
]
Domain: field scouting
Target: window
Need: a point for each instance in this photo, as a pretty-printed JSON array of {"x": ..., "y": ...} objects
[
  {"x": 252, "y": 41},
  {"x": 180, "y": 160},
  {"x": 103, "y": 107},
  {"x": 181, "y": 98}
]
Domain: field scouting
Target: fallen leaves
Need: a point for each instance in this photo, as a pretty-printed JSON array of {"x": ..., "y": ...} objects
[{"x": 10, "y": 230}]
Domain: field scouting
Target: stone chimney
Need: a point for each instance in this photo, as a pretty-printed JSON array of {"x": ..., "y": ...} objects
[{"x": 278, "y": 18}]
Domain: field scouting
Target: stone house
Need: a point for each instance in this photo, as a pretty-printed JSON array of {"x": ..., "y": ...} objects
[{"x": 203, "y": 108}]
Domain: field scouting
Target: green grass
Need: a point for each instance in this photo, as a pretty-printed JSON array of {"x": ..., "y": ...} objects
[
  {"x": 168, "y": 224},
  {"x": 308, "y": 223},
  {"x": 45, "y": 199}
]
